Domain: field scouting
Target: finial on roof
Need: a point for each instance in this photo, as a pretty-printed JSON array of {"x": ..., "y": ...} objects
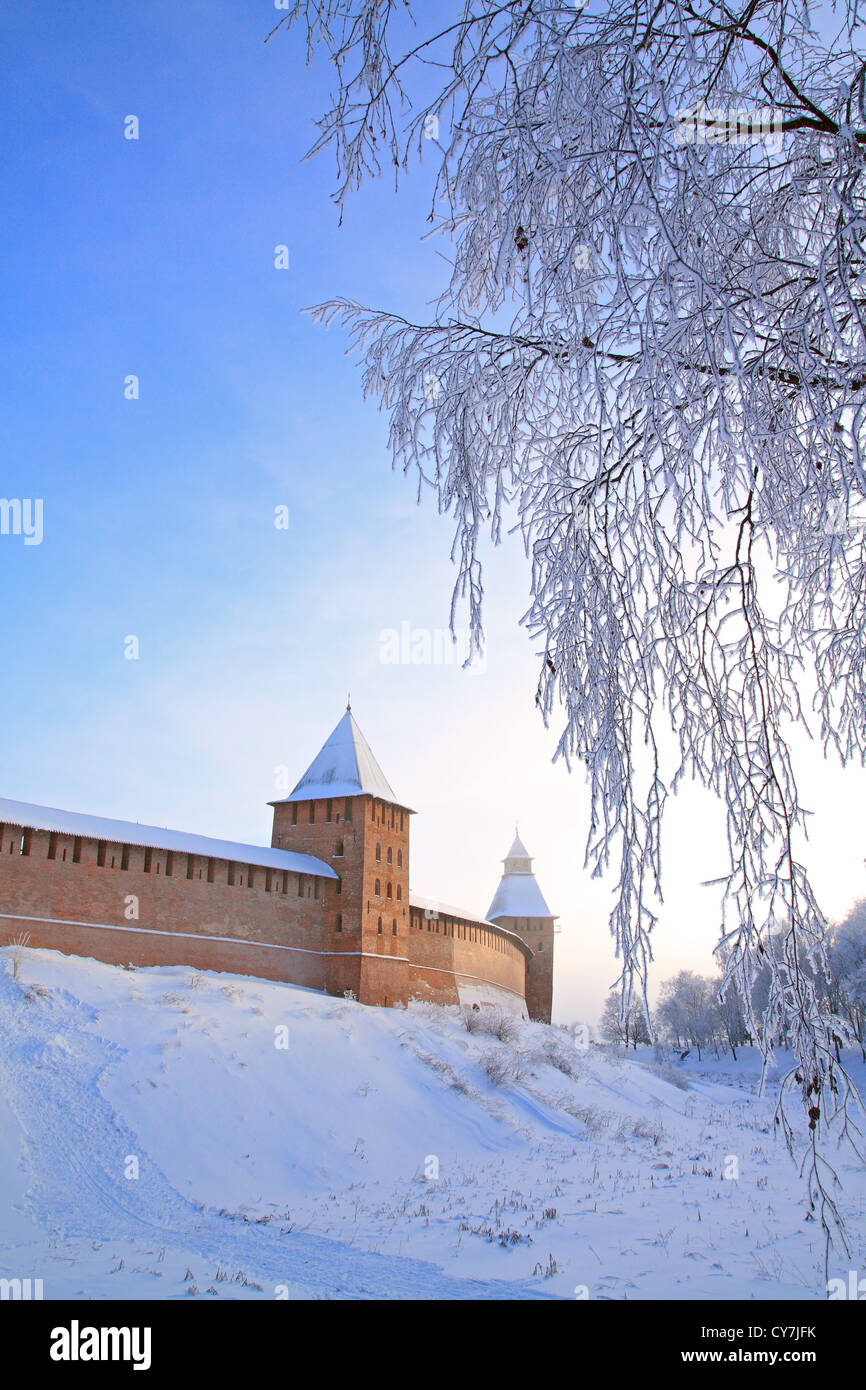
[{"x": 349, "y": 703}]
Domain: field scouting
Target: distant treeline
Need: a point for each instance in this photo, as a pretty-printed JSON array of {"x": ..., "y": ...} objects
[{"x": 692, "y": 1014}]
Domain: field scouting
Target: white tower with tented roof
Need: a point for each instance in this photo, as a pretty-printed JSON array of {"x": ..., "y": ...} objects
[{"x": 519, "y": 905}]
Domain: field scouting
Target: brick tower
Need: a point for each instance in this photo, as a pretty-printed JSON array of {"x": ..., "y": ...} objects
[
  {"x": 344, "y": 811},
  {"x": 519, "y": 905}
]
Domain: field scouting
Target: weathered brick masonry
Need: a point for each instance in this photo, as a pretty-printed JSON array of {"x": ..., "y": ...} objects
[
  {"x": 74, "y": 903},
  {"x": 327, "y": 906}
]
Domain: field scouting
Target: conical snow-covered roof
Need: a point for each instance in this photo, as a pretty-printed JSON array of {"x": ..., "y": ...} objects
[
  {"x": 518, "y": 894},
  {"x": 344, "y": 767}
]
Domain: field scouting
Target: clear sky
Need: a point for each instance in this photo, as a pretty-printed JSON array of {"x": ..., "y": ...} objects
[{"x": 155, "y": 257}]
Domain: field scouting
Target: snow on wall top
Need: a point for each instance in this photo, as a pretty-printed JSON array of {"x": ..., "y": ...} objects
[
  {"x": 157, "y": 837},
  {"x": 344, "y": 767},
  {"x": 435, "y": 905},
  {"x": 437, "y": 908}
]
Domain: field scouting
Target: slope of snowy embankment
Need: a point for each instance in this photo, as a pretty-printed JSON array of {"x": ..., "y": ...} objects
[{"x": 167, "y": 1133}]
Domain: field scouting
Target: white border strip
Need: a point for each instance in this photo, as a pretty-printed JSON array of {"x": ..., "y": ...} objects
[
  {"x": 198, "y": 936},
  {"x": 464, "y": 975},
  {"x": 265, "y": 945}
]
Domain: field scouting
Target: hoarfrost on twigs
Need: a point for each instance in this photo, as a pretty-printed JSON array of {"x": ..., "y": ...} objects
[{"x": 650, "y": 358}]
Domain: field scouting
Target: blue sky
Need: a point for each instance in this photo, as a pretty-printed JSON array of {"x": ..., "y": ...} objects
[{"x": 155, "y": 257}]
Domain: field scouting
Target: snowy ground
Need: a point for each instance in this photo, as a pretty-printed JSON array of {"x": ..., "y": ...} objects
[{"x": 373, "y": 1156}]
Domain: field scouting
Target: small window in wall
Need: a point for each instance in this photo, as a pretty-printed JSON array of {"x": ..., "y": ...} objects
[
  {"x": 338, "y": 886},
  {"x": 269, "y": 881},
  {"x": 210, "y": 871},
  {"x": 347, "y": 810},
  {"x": 251, "y": 876},
  {"x": 377, "y": 889},
  {"x": 294, "y": 813},
  {"x": 112, "y": 861},
  {"x": 378, "y": 854},
  {"x": 389, "y": 890},
  {"x": 190, "y": 866},
  {"x": 52, "y": 846},
  {"x": 338, "y": 923},
  {"x": 148, "y": 860},
  {"x": 390, "y": 855},
  {"x": 399, "y": 859},
  {"x": 399, "y": 893},
  {"x": 124, "y": 857},
  {"x": 329, "y": 812},
  {"x": 231, "y": 875},
  {"x": 285, "y": 880},
  {"x": 316, "y": 887},
  {"x": 25, "y": 842},
  {"x": 379, "y": 926},
  {"x": 76, "y": 850},
  {"x": 394, "y": 927},
  {"x": 300, "y": 885},
  {"x": 169, "y": 864},
  {"x": 338, "y": 850},
  {"x": 64, "y": 854},
  {"x": 312, "y": 813}
]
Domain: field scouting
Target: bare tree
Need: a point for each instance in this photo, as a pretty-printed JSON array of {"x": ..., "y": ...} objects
[
  {"x": 649, "y": 358},
  {"x": 627, "y": 1027},
  {"x": 731, "y": 1017},
  {"x": 688, "y": 1010},
  {"x": 847, "y": 983}
]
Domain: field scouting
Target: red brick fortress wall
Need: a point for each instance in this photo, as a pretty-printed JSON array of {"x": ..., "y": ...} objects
[
  {"x": 447, "y": 951},
  {"x": 126, "y": 904},
  {"x": 538, "y": 933}
]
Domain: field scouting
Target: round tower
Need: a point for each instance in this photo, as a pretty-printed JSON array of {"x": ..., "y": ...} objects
[{"x": 519, "y": 905}]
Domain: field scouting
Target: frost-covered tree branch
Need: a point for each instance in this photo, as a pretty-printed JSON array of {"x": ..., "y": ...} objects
[{"x": 650, "y": 357}]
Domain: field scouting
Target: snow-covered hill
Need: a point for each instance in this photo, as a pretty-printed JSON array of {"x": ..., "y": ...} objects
[{"x": 291, "y": 1144}]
